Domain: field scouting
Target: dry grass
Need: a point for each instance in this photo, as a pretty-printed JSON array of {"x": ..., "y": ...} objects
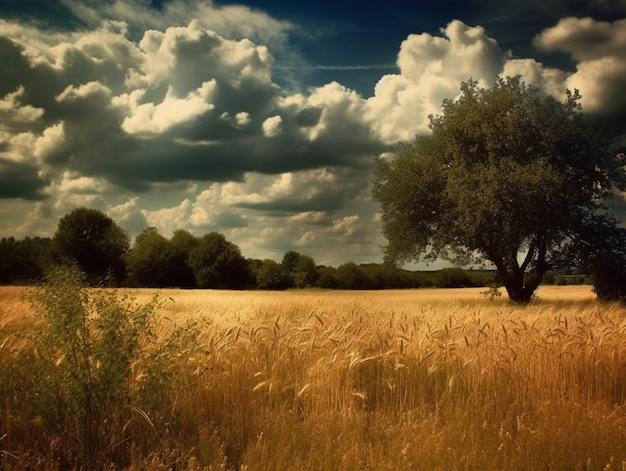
[{"x": 387, "y": 380}]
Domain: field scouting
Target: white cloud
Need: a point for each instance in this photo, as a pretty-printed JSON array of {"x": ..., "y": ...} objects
[
  {"x": 600, "y": 51},
  {"x": 50, "y": 142},
  {"x": 148, "y": 118},
  {"x": 551, "y": 80},
  {"x": 272, "y": 126},
  {"x": 183, "y": 56},
  {"x": 585, "y": 38},
  {"x": 431, "y": 69},
  {"x": 18, "y": 147},
  {"x": 167, "y": 220},
  {"x": 12, "y": 110},
  {"x": 341, "y": 115},
  {"x": 242, "y": 119},
  {"x": 75, "y": 184}
]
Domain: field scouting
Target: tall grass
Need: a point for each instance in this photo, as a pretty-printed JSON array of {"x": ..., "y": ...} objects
[{"x": 424, "y": 380}]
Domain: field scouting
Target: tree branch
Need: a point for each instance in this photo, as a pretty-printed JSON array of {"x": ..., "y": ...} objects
[{"x": 529, "y": 256}]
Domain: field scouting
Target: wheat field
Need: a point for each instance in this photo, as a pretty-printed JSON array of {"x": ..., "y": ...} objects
[{"x": 379, "y": 380}]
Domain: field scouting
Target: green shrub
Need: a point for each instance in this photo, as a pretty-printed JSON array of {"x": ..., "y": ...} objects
[
  {"x": 80, "y": 379},
  {"x": 94, "y": 379},
  {"x": 453, "y": 278}
]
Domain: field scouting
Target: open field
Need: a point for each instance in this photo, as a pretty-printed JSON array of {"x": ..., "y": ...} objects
[{"x": 317, "y": 380}]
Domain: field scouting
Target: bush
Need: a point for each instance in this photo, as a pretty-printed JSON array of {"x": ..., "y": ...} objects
[
  {"x": 453, "y": 278},
  {"x": 91, "y": 372}
]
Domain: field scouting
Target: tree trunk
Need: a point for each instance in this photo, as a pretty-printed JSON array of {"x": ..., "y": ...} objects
[
  {"x": 518, "y": 293},
  {"x": 521, "y": 288}
]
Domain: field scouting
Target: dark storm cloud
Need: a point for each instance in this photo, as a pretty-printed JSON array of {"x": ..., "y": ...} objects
[
  {"x": 184, "y": 105},
  {"x": 19, "y": 180}
]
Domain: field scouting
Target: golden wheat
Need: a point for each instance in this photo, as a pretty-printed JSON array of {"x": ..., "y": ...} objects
[{"x": 420, "y": 379}]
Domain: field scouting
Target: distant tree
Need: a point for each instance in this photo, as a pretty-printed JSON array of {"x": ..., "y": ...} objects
[
  {"x": 272, "y": 276},
  {"x": 300, "y": 268},
  {"x": 453, "y": 278},
  {"x": 218, "y": 263},
  {"x": 183, "y": 242},
  {"x": 508, "y": 177},
  {"x": 305, "y": 274},
  {"x": 327, "y": 278},
  {"x": 387, "y": 275},
  {"x": 290, "y": 260},
  {"x": 351, "y": 276},
  {"x": 94, "y": 242},
  {"x": 23, "y": 261},
  {"x": 152, "y": 261}
]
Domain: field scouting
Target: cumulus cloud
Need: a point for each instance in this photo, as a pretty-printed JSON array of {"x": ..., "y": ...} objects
[
  {"x": 272, "y": 126},
  {"x": 12, "y": 110},
  {"x": 235, "y": 21},
  {"x": 431, "y": 69},
  {"x": 599, "y": 49},
  {"x": 148, "y": 118},
  {"x": 549, "y": 79},
  {"x": 172, "y": 118}
]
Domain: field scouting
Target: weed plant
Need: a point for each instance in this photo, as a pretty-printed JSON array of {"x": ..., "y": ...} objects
[
  {"x": 76, "y": 390},
  {"x": 397, "y": 380}
]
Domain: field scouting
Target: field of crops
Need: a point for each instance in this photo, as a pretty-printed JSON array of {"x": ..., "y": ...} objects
[{"x": 323, "y": 380}]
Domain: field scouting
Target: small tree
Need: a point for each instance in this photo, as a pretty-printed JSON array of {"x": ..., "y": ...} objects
[
  {"x": 80, "y": 377},
  {"x": 94, "y": 242},
  {"x": 508, "y": 177},
  {"x": 350, "y": 276}
]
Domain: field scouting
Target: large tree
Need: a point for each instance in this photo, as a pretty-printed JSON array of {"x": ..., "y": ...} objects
[
  {"x": 508, "y": 177},
  {"x": 93, "y": 241}
]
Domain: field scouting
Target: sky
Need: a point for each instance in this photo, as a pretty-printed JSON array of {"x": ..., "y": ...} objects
[{"x": 262, "y": 119}]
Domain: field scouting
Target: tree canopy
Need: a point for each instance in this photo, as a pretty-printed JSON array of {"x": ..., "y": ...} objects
[
  {"x": 153, "y": 260},
  {"x": 218, "y": 263},
  {"x": 507, "y": 177},
  {"x": 94, "y": 242}
]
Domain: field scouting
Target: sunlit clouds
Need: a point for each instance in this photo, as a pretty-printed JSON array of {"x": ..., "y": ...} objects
[{"x": 174, "y": 118}]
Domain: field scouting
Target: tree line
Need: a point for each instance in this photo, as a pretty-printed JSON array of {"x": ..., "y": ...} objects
[{"x": 91, "y": 241}]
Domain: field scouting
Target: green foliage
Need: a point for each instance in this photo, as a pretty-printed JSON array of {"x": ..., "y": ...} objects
[
  {"x": 23, "y": 261},
  {"x": 80, "y": 378},
  {"x": 306, "y": 274},
  {"x": 327, "y": 278},
  {"x": 290, "y": 260},
  {"x": 94, "y": 380},
  {"x": 182, "y": 242},
  {"x": 301, "y": 269},
  {"x": 95, "y": 243},
  {"x": 604, "y": 258},
  {"x": 273, "y": 276},
  {"x": 508, "y": 176},
  {"x": 153, "y": 261},
  {"x": 351, "y": 276},
  {"x": 453, "y": 278},
  {"x": 218, "y": 263}
]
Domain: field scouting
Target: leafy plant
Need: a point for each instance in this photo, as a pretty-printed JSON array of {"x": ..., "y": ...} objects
[{"x": 81, "y": 375}]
